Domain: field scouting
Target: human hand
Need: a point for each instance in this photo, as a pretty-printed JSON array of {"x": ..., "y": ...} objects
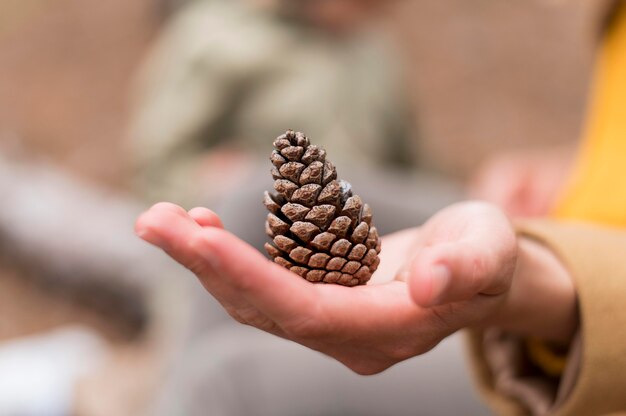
[
  {"x": 472, "y": 270},
  {"x": 368, "y": 328},
  {"x": 523, "y": 184},
  {"x": 461, "y": 271}
]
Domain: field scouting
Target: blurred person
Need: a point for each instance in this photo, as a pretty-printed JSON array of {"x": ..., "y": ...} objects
[
  {"x": 543, "y": 299},
  {"x": 225, "y": 77},
  {"x": 545, "y": 181},
  {"x": 524, "y": 183}
]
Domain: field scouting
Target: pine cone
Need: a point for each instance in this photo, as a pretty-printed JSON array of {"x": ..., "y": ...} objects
[{"x": 320, "y": 230}]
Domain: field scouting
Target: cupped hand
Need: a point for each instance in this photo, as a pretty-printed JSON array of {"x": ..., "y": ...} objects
[{"x": 453, "y": 272}]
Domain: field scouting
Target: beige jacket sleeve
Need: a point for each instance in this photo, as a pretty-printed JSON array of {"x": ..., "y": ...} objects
[{"x": 594, "y": 380}]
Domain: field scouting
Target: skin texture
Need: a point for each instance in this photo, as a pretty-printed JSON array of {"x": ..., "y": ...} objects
[{"x": 456, "y": 271}]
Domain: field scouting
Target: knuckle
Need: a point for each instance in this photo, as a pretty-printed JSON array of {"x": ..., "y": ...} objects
[
  {"x": 485, "y": 268},
  {"x": 199, "y": 243},
  {"x": 443, "y": 318},
  {"x": 194, "y": 248},
  {"x": 479, "y": 271},
  {"x": 196, "y": 242}
]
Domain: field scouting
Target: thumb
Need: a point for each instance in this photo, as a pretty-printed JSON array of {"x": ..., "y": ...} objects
[{"x": 457, "y": 271}]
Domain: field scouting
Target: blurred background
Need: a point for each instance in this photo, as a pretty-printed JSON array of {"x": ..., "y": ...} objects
[{"x": 108, "y": 107}]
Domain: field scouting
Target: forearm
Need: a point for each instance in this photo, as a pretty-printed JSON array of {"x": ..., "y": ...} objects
[{"x": 542, "y": 300}]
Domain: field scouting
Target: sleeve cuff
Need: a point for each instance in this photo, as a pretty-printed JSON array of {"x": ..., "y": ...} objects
[{"x": 596, "y": 363}]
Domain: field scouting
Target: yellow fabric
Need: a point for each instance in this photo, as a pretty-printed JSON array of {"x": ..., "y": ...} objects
[
  {"x": 552, "y": 362},
  {"x": 591, "y": 384},
  {"x": 597, "y": 192},
  {"x": 595, "y": 256}
]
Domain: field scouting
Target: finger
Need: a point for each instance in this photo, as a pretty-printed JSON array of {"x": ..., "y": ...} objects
[
  {"x": 397, "y": 248},
  {"x": 205, "y": 217},
  {"x": 229, "y": 268},
  {"x": 149, "y": 223},
  {"x": 280, "y": 294},
  {"x": 457, "y": 271},
  {"x": 175, "y": 231},
  {"x": 172, "y": 229}
]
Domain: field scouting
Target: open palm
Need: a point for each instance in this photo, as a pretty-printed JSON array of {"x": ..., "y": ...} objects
[{"x": 456, "y": 267}]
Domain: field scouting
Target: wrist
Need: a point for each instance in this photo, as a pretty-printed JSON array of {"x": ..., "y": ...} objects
[{"x": 542, "y": 299}]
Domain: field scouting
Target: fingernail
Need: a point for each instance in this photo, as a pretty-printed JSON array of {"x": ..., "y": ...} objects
[{"x": 440, "y": 278}]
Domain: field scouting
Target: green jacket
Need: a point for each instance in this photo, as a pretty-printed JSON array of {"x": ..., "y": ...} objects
[{"x": 223, "y": 73}]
